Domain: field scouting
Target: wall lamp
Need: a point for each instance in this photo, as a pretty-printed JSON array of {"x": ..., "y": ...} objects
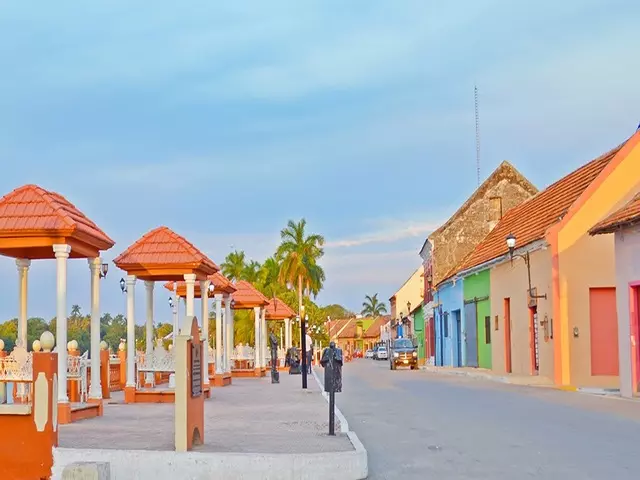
[
  {"x": 104, "y": 268},
  {"x": 511, "y": 244},
  {"x": 123, "y": 285}
]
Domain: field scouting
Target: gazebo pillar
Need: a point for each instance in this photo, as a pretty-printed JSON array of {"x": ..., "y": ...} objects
[
  {"x": 131, "y": 335},
  {"x": 263, "y": 337},
  {"x": 287, "y": 333},
  {"x": 257, "y": 344},
  {"x": 190, "y": 281},
  {"x": 204, "y": 299},
  {"x": 176, "y": 307},
  {"x": 148, "y": 286},
  {"x": 228, "y": 341},
  {"x": 228, "y": 318},
  {"x": 23, "y": 272},
  {"x": 219, "y": 366},
  {"x": 95, "y": 392},
  {"x": 61, "y": 252}
]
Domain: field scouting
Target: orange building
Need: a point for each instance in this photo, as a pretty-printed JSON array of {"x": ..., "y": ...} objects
[{"x": 553, "y": 292}]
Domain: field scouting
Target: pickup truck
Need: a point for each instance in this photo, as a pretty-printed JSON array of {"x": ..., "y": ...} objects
[{"x": 403, "y": 353}]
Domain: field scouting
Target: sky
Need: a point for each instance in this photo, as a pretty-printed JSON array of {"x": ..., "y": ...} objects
[{"x": 222, "y": 120}]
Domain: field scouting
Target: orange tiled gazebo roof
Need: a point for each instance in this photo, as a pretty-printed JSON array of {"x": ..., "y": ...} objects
[
  {"x": 278, "y": 310},
  {"x": 162, "y": 254},
  {"x": 247, "y": 296},
  {"x": 222, "y": 285},
  {"x": 33, "y": 219}
]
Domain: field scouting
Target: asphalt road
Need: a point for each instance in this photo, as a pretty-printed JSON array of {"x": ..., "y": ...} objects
[{"x": 423, "y": 425}]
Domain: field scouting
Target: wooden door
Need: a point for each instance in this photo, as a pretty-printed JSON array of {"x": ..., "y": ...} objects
[{"x": 507, "y": 335}]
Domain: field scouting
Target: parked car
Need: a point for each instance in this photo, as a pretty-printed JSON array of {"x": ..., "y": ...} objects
[
  {"x": 368, "y": 354},
  {"x": 381, "y": 353},
  {"x": 403, "y": 354}
]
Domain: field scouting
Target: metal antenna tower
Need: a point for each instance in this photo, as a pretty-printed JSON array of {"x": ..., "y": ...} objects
[{"x": 475, "y": 94}]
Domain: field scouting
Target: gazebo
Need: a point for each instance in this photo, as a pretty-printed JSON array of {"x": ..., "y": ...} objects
[
  {"x": 160, "y": 255},
  {"x": 221, "y": 288},
  {"x": 278, "y": 310},
  {"x": 247, "y": 297},
  {"x": 37, "y": 224}
]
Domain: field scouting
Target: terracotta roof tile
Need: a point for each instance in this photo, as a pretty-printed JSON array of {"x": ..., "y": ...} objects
[
  {"x": 221, "y": 283},
  {"x": 247, "y": 294},
  {"x": 162, "y": 246},
  {"x": 278, "y": 310},
  {"x": 374, "y": 329},
  {"x": 31, "y": 208},
  {"x": 625, "y": 216},
  {"x": 530, "y": 220}
]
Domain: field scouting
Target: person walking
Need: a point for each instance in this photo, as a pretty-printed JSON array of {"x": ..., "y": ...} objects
[{"x": 309, "y": 352}]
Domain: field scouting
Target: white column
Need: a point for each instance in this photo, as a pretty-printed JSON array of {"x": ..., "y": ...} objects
[
  {"x": 219, "y": 362},
  {"x": 256, "y": 343},
  {"x": 148, "y": 285},
  {"x": 131, "y": 331},
  {"x": 190, "y": 280},
  {"x": 287, "y": 333},
  {"x": 23, "y": 272},
  {"x": 263, "y": 334},
  {"x": 228, "y": 340},
  {"x": 223, "y": 346},
  {"x": 204, "y": 299},
  {"x": 227, "y": 346},
  {"x": 96, "y": 387},
  {"x": 175, "y": 313},
  {"x": 61, "y": 252}
]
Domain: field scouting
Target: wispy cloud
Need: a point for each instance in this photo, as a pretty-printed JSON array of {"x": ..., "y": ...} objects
[{"x": 384, "y": 236}]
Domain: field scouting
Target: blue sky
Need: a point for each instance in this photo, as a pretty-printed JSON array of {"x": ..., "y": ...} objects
[{"x": 224, "y": 121}]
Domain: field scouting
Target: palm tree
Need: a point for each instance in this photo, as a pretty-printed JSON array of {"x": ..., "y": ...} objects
[
  {"x": 372, "y": 307},
  {"x": 300, "y": 254},
  {"x": 270, "y": 283},
  {"x": 251, "y": 272},
  {"x": 234, "y": 265}
]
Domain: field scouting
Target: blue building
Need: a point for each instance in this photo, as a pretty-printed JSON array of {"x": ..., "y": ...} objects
[{"x": 449, "y": 328}]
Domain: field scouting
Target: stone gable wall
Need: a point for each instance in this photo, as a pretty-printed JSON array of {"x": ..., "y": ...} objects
[{"x": 467, "y": 230}]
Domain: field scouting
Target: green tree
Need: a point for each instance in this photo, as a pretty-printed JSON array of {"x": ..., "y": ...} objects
[
  {"x": 269, "y": 283},
  {"x": 300, "y": 254},
  {"x": 234, "y": 265},
  {"x": 372, "y": 307},
  {"x": 251, "y": 272}
]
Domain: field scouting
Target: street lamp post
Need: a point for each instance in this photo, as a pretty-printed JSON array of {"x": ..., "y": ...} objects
[{"x": 303, "y": 346}]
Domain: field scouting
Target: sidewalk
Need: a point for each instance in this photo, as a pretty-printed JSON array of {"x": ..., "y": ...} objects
[
  {"x": 483, "y": 373},
  {"x": 253, "y": 429}
]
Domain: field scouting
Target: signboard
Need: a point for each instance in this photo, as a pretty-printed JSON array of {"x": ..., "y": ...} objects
[{"x": 196, "y": 370}]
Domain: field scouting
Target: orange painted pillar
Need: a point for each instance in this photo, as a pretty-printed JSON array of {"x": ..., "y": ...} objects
[
  {"x": 105, "y": 366},
  {"x": 122, "y": 356},
  {"x": 73, "y": 386},
  {"x": 27, "y": 451}
]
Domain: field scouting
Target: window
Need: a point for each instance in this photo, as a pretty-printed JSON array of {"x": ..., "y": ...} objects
[
  {"x": 445, "y": 321},
  {"x": 487, "y": 330}
]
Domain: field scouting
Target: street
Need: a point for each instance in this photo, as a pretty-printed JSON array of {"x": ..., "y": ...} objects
[{"x": 416, "y": 424}]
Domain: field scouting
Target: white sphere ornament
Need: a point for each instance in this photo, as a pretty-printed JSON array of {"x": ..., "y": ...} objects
[
  {"x": 170, "y": 346},
  {"x": 74, "y": 345},
  {"x": 1, "y": 344},
  {"x": 122, "y": 347},
  {"x": 103, "y": 345},
  {"x": 36, "y": 346},
  {"x": 47, "y": 341}
]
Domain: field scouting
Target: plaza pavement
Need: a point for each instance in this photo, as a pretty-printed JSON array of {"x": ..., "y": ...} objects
[{"x": 266, "y": 423}]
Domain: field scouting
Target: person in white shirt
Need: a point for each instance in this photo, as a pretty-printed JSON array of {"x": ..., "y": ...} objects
[{"x": 309, "y": 352}]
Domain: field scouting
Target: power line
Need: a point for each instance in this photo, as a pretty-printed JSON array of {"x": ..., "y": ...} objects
[{"x": 475, "y": 94}]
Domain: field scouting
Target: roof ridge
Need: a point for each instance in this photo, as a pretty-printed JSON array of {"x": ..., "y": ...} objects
[{"x": 469, "y": 201}]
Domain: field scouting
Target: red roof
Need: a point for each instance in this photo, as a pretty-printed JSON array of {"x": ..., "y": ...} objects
[
  {"x": 162, "y": 246},
  {"x": 278, "y": 310},
  {"x": 248, "y": 296},
  {"x": 31, "y": 209},
  {"x": 530, "y": 220},
  {"x": 220, "y": 282},
  {"x": 374, "y": 329},
  {"x": 626, "y": 216}
]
